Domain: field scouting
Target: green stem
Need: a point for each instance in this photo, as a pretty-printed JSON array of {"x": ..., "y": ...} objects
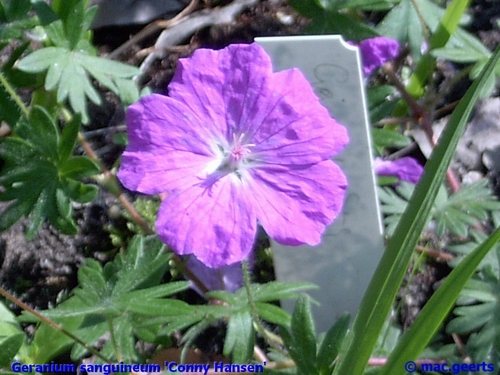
[
  {"x": 52, "y": 324},
  {"x": 14, "y": 96},
  {"x": 254, "y": 312}
]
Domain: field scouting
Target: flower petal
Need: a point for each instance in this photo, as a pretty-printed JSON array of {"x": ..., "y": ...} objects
[
  {"x": 215, "y": 223},
  {"x": 294, "y": 205},
  {"x": 406, "y": 168},
  {"x": 377, "y": 51},
  {"x": 289, "y": 125},
  {"x": 167, "y": 147},
  {"x": 229, "y": 278},
  {"x": 213, "y": 83},
  {"x": 278, "y": 112}
]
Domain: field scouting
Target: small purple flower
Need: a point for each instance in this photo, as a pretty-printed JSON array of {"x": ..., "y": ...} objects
[
  {"x": 233, "y": 145},
  {"x": 405, "y": 169},
  {"x": 228, "y": 278},
  {"x": 376, "y": 52}
]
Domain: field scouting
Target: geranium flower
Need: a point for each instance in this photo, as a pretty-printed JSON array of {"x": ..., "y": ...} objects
[
  {"x": 228, "y": 278},
  {"x": 235, "y": 144},
  {"x": 405, "y": 169},
  {"x": 375, "y": 52}
]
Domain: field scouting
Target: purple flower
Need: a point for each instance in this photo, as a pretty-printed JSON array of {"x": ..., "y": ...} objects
[
  {"x": 229, "y": 278},
  {"x": 235, "y": 144},
  {"x": 406, "y": 168},
  {"x": 376, "y": 52}
]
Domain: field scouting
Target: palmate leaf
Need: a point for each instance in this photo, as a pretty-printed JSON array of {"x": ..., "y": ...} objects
[
  {"x": 456, "y": 213},
  {"x": 300, "y": 339},
  {"x": 14, "y": 20},
  {"x": 240, "y": 336},
  {"x": 328, "y": 17},
  {"x": 122, "y": 295},
  {"x": 462, "y": 249},
  {"x": 478, "y": 314},
  {"x": 433, "y": 314},
  {"x": 40, "y": 178},
  {"x": 68, "y": 71}
]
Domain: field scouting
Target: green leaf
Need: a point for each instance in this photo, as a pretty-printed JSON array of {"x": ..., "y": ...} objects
[
  {"x": 154, "y": 307},
  {"x": 67, "y": 70},
  {"x": 440, "y": 37},
  {"x": 9, "y": 348},
  {"x": 471, "y": 318},
  {"x": 55, "y": 32},
  {"x": 389, "y": 138},
  {"x": 304, "y": 338},
  {"x": 389, "y": 274},
  {"x": 124, "y": 338},
  {"x": 78, "y": 192},
  {"x": 402, "y": 23},
  {"x": 273, "y": 314},
  {"x": 366, "y": 4},
  {"x": 100, "y": 68},
  {"x": 430, "y": 318},
  {"x": 16, "y": 9},
  {"x": 381, "y": 102},
  {"x": 14, "y": 212},
  {"x": 44, "y": 12},
  {"x": 331, "y": 344},
  {"x": 13, "y": 150},
  {"x": 92, "y": 283},
  {"x": 50, "y": 343},
  {"x": 40, "y": 60},
  {"x": 308, "y": 8},
  {"x": 78, "y": 167},
  {"x": 74, "y": 24},
  {"x": 240, "y": 337},
  {"x": 276, "y": 290},
  {"x": 37, "y": 217},
  {"x": 458, "y": 213},
  {"x": 59, "y": 208},
  {"x": 153, "y": 292},
  {"x": 350, "y": 29},
  {"x": 143, "y": 265},
  {"x": 127, "y": 90},
  {"x": 8, "y": 108},
  {"x": 91, "y": 330},
  {"x": 69, "y": 136},
  {"x": 44, "y": 133},
  {"x": 55, "y": 72}
]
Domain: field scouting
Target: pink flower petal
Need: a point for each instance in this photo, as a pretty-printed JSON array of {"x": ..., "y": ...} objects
[
  {"x": 295, "y": 205},
  {"x": 377, "y": 51},
  {"x": 215, "y": 223},
  {"x": 164, "y": 152},
  {"x": 229, "y": 278},
  {"x": 406, "y": 169},
  {"x": 235, "y": 143}
]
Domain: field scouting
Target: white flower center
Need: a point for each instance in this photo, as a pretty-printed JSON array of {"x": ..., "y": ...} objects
[{"x": 236, "y": 155}]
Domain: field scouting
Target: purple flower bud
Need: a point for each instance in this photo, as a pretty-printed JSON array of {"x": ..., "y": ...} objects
[
  {"x": 405, "y": 169},
  {"x": 229, "y": 278},
  {"x": 376, "y": 52}
]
